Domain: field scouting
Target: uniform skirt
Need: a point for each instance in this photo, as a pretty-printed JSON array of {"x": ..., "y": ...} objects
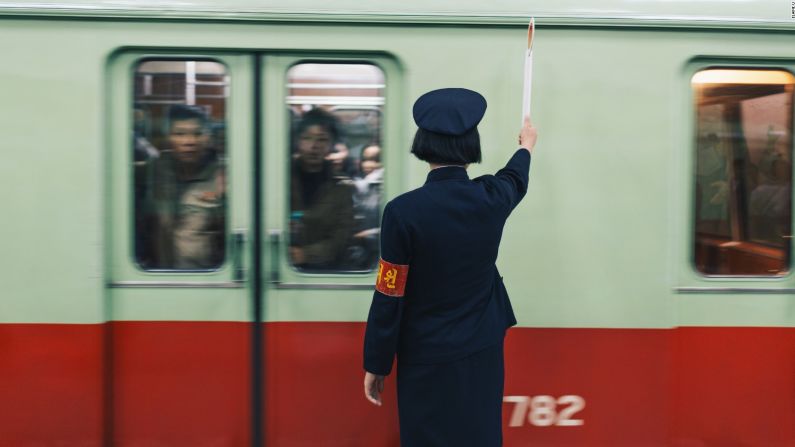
[{"x": 452, "y": 404}]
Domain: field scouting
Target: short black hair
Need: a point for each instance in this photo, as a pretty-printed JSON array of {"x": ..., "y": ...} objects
[
  {"x": 319, "y": 117},
  {"x": 181, "y": 112},
  {"x": 439, "y": 148}
]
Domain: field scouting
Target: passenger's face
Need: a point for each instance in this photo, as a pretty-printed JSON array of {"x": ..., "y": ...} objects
[
  {"x": 314, "y": 144},
  {"x": 369, "y": 163},
  {"x": 188, "y": 140}
]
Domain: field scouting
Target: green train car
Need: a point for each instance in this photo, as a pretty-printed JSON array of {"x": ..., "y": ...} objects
[{"x": 161, "y": 287}]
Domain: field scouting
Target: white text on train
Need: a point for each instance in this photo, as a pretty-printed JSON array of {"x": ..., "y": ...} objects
[{"x": 545, "y": 411}]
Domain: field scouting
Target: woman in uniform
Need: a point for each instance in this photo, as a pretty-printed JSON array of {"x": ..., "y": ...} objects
[{"x": 440, "y": 303}]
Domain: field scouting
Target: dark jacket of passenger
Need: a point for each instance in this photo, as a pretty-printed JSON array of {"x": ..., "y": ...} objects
[
  {"x": 326, "y": 222},
  {"x": 187, "y": 213}
]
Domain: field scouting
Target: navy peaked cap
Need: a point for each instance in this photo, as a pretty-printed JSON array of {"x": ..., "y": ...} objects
[{"x": 449, "y": 111}]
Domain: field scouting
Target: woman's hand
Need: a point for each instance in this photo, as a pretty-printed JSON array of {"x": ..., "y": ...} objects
[
  {"x": 528, "y": 135},
  {"x": 373, "y": 387}
]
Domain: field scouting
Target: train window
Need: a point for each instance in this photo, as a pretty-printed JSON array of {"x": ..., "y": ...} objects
[
  {"x": 336, "y": 169},
  {"x": 178, "y": 146},
  {"x": 743, "y": 171}
]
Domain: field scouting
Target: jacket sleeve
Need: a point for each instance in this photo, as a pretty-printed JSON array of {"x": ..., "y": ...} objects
[
  {"x": 511, "y": 181},
  {"x": 383, "y": 322}
]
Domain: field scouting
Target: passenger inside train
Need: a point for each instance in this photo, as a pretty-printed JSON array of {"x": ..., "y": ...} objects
[
  {"x": 186, "y": 207},
  {"x": 321, "y": 203},
  {"x": 366, "y": 204}
]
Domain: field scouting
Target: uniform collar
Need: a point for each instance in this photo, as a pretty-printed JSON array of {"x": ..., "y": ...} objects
[{"x": 447, "y": 173}]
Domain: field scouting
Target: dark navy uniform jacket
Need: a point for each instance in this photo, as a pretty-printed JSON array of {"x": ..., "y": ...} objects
[{"x": 447, "y": 233}]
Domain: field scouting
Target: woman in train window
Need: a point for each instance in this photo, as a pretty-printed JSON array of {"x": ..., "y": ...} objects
[{"x": 440, "y": 303}]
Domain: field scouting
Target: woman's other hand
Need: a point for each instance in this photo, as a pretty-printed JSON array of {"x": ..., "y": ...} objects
[
  {"x": 373, "y": 387},
  {"x": 528, "y": 135}
]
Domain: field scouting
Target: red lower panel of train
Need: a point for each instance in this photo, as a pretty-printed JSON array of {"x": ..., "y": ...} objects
[{"x": 180, "y": 384}]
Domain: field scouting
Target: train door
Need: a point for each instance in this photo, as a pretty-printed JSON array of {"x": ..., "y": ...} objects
[
  {"x": 320, "y": 218},
  {"x": 239, "y": 275},
  {"x": 179, "y": 254},
  {"x": 734, "y": 309}
]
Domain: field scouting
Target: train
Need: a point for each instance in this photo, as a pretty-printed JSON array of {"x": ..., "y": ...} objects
[{"x": 649, "y": 265}]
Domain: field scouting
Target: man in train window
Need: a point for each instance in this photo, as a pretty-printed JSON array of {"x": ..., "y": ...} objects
[{"x": 188, "y": 203}]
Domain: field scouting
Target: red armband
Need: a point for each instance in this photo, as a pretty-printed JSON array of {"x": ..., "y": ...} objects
[{"x": 391, "y": 278}]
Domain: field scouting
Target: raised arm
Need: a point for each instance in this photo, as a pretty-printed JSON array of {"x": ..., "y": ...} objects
[{"x": 511, "y": 181}]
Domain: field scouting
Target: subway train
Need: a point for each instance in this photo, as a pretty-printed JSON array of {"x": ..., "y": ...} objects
[{"x": 161, "y": 285}]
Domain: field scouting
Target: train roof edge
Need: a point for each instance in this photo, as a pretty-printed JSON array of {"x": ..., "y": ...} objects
[{"x": 701, "y": 13}]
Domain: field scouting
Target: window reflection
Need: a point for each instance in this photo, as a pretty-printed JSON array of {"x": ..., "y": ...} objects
[
  {"x": 336, "y": 172},
  {"x": 743, "y": 171},
  {"x": 179, "y": 149}
]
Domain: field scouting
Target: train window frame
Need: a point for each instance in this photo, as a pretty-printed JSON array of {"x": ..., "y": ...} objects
[
  {"x": 288, "y": 173},
  {"x": 275, "y": 167},
  {"x": 124, "y": 270},
  {"x": 690, "y": 278},
  {"x": 227, "y": 233},
  {"x": 737, "y": 220}
]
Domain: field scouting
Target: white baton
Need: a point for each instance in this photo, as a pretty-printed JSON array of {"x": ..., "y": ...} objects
[{"x": 528, "y": 70}]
